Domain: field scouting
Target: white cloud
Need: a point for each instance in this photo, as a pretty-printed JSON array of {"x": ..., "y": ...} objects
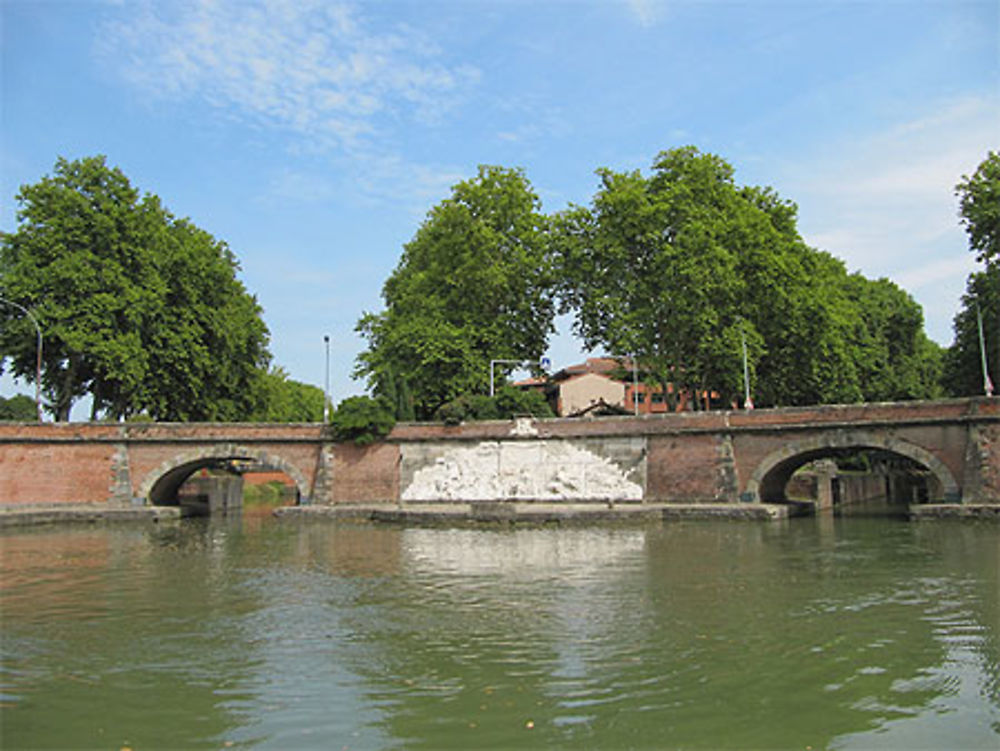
[
  {"x": 647, "y": 12},
  {"x": 885, "y": 202},
  {"x": 879, "y": 200},
  {"x": 310, "y": 67}
]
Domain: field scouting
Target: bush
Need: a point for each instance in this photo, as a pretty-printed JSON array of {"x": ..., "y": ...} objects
[
  {"x": 20, "y": 408},
  {"x": 507, "y": 404},
  {"x": 466, "y": 409},
  {"x": 513, "y": 402},
  {"x": 363, "y": 419}
]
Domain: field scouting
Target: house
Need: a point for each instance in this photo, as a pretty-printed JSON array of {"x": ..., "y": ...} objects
[{"x": 602, "y": 385}]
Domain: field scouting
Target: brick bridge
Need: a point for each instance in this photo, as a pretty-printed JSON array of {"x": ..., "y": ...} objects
[{"x": 949, "y": 452}]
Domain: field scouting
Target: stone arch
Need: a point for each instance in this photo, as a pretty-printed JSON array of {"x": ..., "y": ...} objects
[
  {"x": 163, "y": 482},
  {"x": 768, "y": 480}
]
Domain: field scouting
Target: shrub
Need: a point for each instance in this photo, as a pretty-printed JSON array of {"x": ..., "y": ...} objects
[
  {"x": 363, "y": 419},
  {"x": 20, "y": 408},
  {"x": 507, "y": 404}
]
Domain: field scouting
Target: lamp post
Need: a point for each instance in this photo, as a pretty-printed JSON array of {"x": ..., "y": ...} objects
[
  {"x": 747, "y": 402},
  {"x": 987, "y": 383},
  {"x": 326, "y": 381},
  {"x": 635, "y": 386},
  {"x": 38, "y": 355}
]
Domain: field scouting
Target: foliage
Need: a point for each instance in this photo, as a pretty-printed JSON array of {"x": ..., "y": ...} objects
[
  {"x": 980, "y": 208},
  {"x": 467, "y": 408},
  {"x": 396, "y": 390},
  {"x": 963, "y": 370},
  {"x": 139, "y": 309},
  {"x": 682, "y": 267},
  {"x": 894, "y": 359},
  {"x": 286, "y": 400},
  {"x": 980, "y": 212},
  {"x": 363, "y": 419},
  {"x": 508, "y": 402},
  {"x": 267, "y": 494},
  {"x": 514, "y": 402},
  {"x": 473, "y": 285},
  {"x": 19, "y": 408}
]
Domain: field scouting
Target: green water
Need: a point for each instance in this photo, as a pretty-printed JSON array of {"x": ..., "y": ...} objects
[{"x": 837, "y": 633}]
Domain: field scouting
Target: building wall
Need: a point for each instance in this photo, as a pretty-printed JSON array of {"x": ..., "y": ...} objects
[{"x": 580, "y": 392}]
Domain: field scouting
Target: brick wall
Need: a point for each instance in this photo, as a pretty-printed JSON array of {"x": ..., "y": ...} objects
[{"x": 689, "y": 457}]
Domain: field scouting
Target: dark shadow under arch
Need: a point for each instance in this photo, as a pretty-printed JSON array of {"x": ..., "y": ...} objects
[
  {"x": 160, "y": 486},
  {"x": 768, "y": 481}
]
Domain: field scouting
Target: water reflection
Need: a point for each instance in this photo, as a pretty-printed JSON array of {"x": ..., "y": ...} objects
[{"x": 836, "y": 632}]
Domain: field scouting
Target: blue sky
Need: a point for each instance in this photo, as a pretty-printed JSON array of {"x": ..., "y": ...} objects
[{"x": 313, "y": 137}]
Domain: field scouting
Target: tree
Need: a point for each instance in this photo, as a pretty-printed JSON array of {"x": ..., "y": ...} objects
[
  {"x": 894, "y": 358},
  {"x": 19, "y": 408},
  {"x": 963, "y": 362},
  {"x": 648, "y": 274},
  {"x": 207, "y": 342},
  {"x": 472, "y": 286},
  {"x": 79, "y": 261},
  {"x": 287, "y": 400},
  {"x": 138, "y": 309},
  {"x": 680, "y": 268},
  {"x": 362, "y": 419},
  {"x": 980, "y": 208},
  {"x": 509, "y": 402}
]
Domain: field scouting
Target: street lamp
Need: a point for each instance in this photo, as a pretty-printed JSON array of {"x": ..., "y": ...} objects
[
  {"x": 38, "y": 355},
  {"x": 987, "y": 383},
  {"x": 326, "y": 382},
  {"x": 747, "y": 401}
]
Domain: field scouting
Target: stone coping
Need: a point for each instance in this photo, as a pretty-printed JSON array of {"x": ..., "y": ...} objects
[
  {"x": 484, "y": 512},
  {"x": 22, "y": 515},
  {"x": 537, "y": 513},
  {"x": 989, "y": 511}
]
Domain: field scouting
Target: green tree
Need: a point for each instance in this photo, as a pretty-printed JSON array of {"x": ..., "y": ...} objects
[
  {"x": 963, "y": 369},
  {"x": 682, "y": 267},
  {"x": 894, "y": 358},
  {"x": 80, "y": 262},
  {"x": 138, "y": 309},
  {"x": 363, "y": 419},
  {"x": 19, "y": 408},
  {"x": 287, "y": 400},
  {"x": 396, "y": 390},
  {"x": 979, "y": 196},
  {"x": 508, "y": 402},
  {"x": 664, "y": 268},
  {"x": 979, "y": 210},
  {"x": 473, "y": 285},
  {"x": 207, "y": 343}
]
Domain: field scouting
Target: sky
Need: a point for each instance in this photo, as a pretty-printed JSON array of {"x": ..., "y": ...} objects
[{"x": 314, "y": 136}]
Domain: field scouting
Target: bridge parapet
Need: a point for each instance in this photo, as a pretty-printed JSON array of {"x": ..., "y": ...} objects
[{"x": 703, "y": 457}]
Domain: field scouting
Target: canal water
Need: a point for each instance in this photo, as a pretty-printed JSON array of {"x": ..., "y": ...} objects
[{"x": 841, "y": 633}]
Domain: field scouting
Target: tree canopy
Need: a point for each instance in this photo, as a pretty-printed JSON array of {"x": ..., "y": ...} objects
[
  {"x": 287, "y": 400},
  {"x": 979, "y": 196},
  {"x": 19, "y": 407},
  {"x": 139, "y": 309},
  {"x": 963, "y": 368},
  {"x": 472, "y": 286},
  {"x": 979, "y": 210},
  {"x": 682, "y": 267}
]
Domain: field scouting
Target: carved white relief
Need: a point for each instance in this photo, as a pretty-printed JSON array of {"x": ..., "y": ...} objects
[{"x": 520, "y": 470}]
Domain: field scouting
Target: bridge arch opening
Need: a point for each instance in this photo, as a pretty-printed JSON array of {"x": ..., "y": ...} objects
[
  {"x": 913, "y": 474},
  {"x": 218, "y": 479}
]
